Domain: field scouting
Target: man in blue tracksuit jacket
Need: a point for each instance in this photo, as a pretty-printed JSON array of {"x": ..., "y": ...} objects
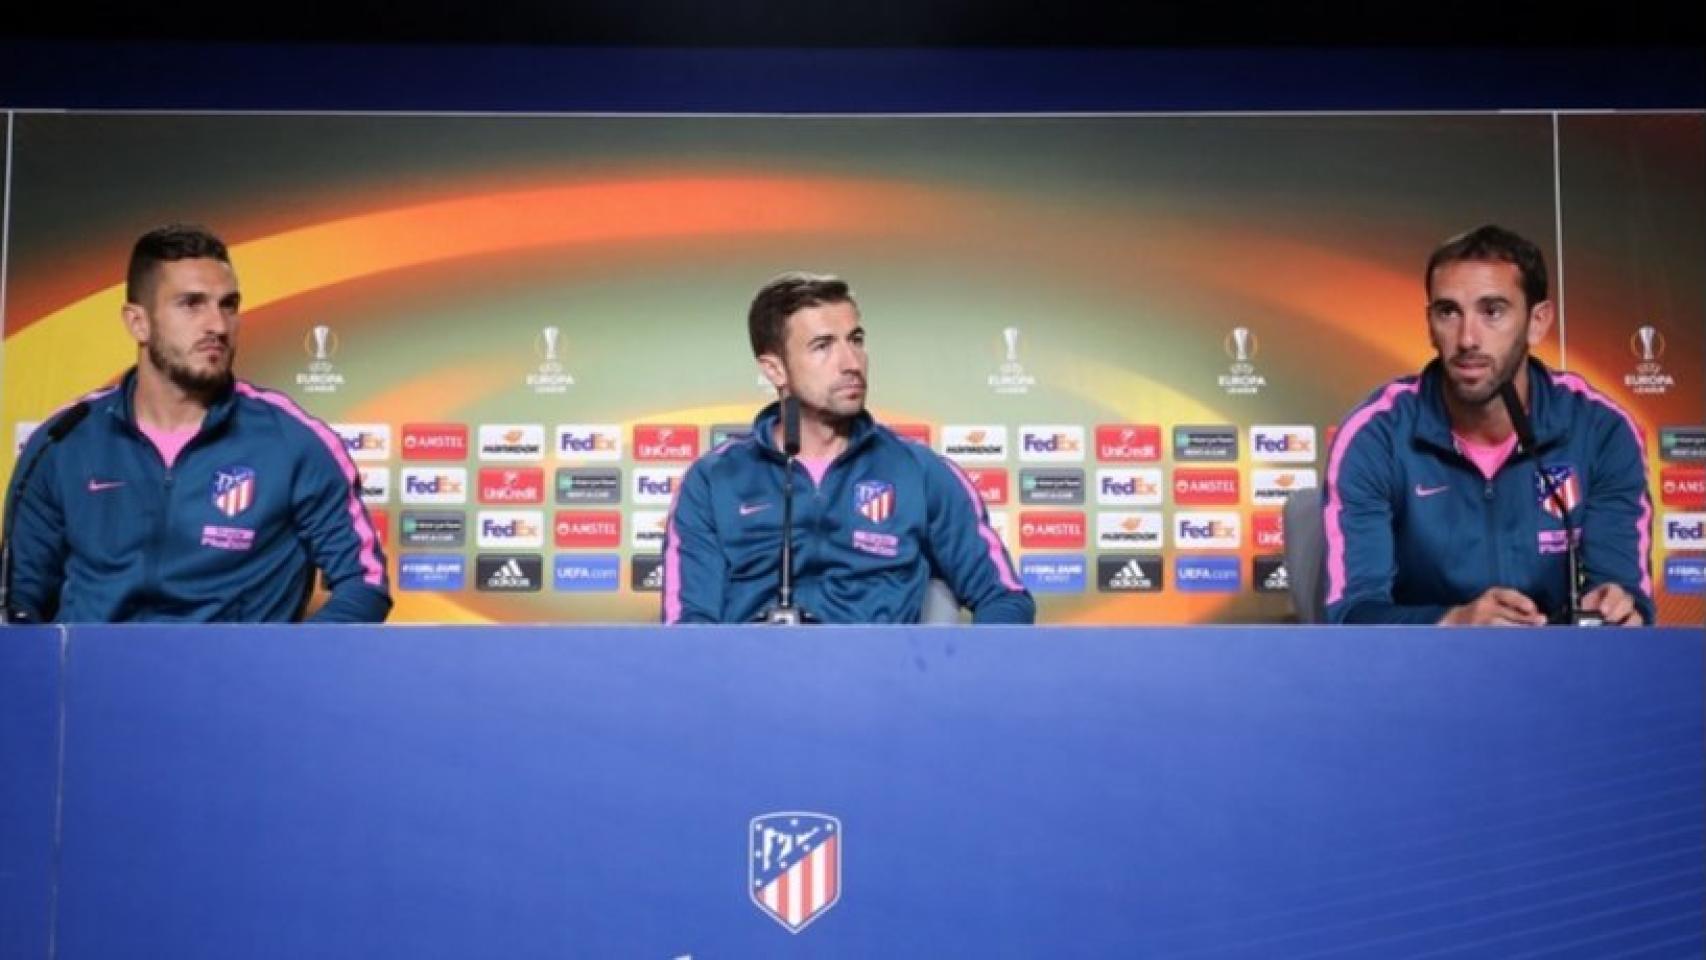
[
  {"x": 184, "y": 493},
  {"x": 1434, "y": 513},
  {"x": 875, "y": 516}
]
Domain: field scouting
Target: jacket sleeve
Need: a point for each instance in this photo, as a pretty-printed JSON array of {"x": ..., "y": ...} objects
[
  {"x": 1617, "y": 519},
  {"x": 36, "y": 536},
  {"x": 333, "y": 523},
  {"x": 1357, "y": 524},
  {"x": 964, "y": 550},
  {"x": 694, "y": 568}
]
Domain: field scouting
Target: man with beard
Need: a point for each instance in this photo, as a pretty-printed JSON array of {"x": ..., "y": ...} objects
[
  {"x": 875, "y": 516},
  {"x": 1433, "y": 511},
  {"x": 184, "y": 493}
]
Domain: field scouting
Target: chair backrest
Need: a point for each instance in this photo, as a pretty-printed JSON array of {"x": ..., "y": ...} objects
[
  {"x": 940, "y": 604},
  {"x": 1306, "y": 555}
]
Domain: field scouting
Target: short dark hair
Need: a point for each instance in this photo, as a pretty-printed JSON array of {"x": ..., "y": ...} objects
[
  {"x": 781, "y": 298},
  {"x": 1494, "y": 243},
  {"x": 168, "y": 244}
]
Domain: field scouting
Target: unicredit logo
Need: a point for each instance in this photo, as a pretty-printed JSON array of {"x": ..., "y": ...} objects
[
  {"x": 1128, "y": 442},
  {"x": 680, "y": 442},
  {"x": 990, "y": 483},
  {"x": 512, "y": 486}
]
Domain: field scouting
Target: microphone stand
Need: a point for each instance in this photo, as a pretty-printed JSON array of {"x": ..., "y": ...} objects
[
  {"x": 1525, "y": 436},
  {"x": 785, "y": 613}
]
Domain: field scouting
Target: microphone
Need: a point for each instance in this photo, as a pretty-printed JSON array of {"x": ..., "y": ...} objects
[
  {"x": 785, "y": 613},
  {"x": 1525, "y": 437},
  {"x": 57, "y": 429}
]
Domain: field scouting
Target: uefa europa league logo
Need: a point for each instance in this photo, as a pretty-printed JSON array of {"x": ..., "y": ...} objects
[
  {"x": 321, "y": 345},
  {"x": 1241, "y": 378},
  {"x": 1010, "y": 377},
  {"x": 549, "y": 377},
  {"x": 1648, "y": 344},
  {"x": 1241, "y": 344}
]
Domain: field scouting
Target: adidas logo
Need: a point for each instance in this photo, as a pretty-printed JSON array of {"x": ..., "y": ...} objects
[
  {"x": 1278, "y": 580},
  {"x": 654, "y": 579},
  {"x": 1131, "y": 577},
  {"x": 508, "y": 575}
]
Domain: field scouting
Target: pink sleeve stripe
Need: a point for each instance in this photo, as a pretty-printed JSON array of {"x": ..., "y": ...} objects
[
  {"x": 997, "y": 555},
  {"x": 672, "y": 573},
  {"x": 1335, "y": 533},
  {"x": 1643, "y": 524},
  {"x": 374, "y": 571}
]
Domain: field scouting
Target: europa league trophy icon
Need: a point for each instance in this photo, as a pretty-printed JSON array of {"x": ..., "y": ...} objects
[
  {"x": 322, "y": 342},
  {"x": 550, "y": 335},
  {"x": 1647, "y": 335},
  {"x": 1011, "y": 336},
  {"x": 1241, "y": 344}
]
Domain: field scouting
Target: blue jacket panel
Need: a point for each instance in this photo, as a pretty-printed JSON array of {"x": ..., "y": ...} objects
[
  {"x": 889, "y": 515},
  {"x": 1413, "y": 528},
  {"x": 261, "y": 497}
]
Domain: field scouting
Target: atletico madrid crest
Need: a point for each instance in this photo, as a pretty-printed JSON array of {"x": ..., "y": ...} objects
[
  {"x": 1563, "y": 479},
  {"x": 794, "y": 866},
  {"x": 874, "y": 499},
  {"x": 233, "y": 489}
]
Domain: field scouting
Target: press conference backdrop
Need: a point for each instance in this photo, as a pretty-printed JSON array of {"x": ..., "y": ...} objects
[{"x": 1135, "y": 331}]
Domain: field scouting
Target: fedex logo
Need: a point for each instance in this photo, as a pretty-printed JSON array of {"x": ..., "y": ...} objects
[
  {"x": 375, "y": 484},
  {"x": 1211, "y": 530},
  {"x": 1685, "y": 531},
  {"x": 435, "y": 485},
  {"x": 1128, "y": 488},
  {"x": 1683, "y": 487},
  {"x": 1294, "y": 444},
  {"x": 518, "y": 485},
  {"x": 990, "y": 483},
  {"x": 1268, "y": 530},
  {"x": 675, "y": 442},
  {"x": 589, "y": 441},
  {"x": 511, "y": 528},
  {"x": 656, "y": 487},
  {"x": 1051, "y": 444},
  {"x": 435, "y": 441},
  {"x": 365, "y": 441},
  {"x": 1051, "y": 530},
  {"x": 1126, "y": 442},
  {"x": 588, "y": 528}
]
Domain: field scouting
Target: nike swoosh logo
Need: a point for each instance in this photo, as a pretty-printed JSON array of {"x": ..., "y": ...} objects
[
  {"x": 748, "y": 509},
  {"x": 96, "y": 486},
  {"x": 1422, "y": 491}
]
